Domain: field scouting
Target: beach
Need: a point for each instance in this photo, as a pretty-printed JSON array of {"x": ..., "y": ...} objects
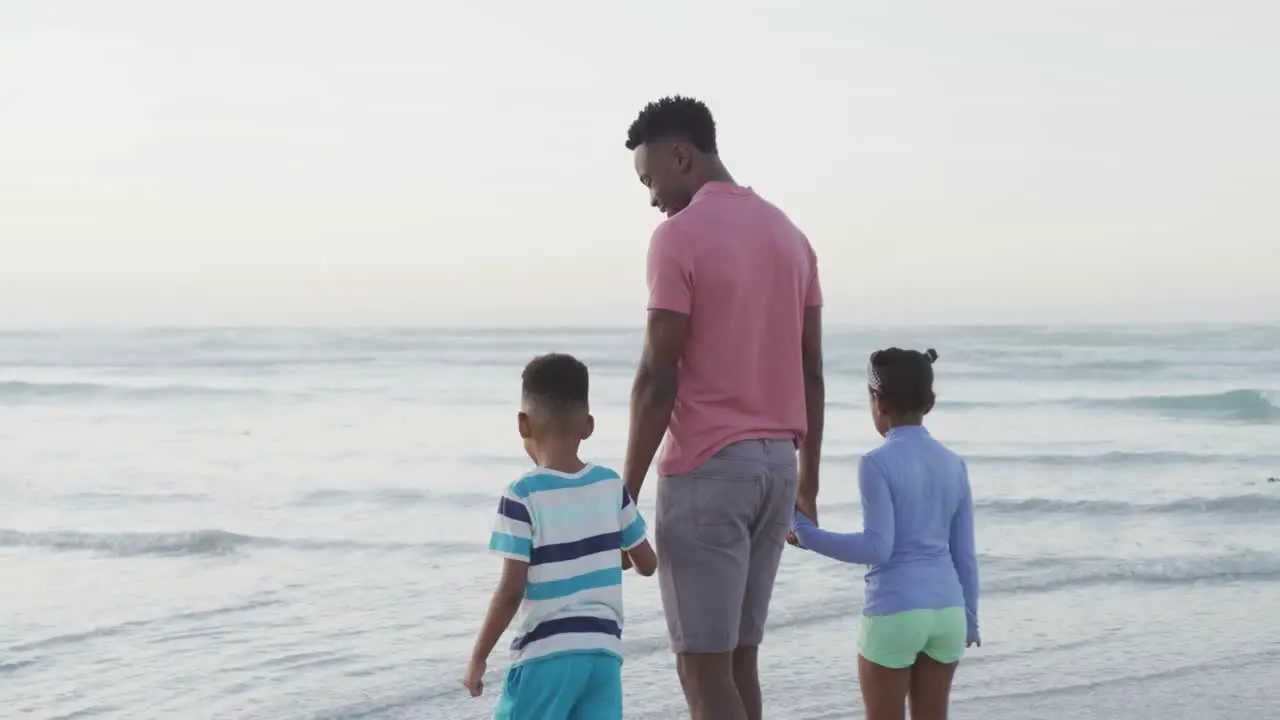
[{"x": 291, "y": 523}]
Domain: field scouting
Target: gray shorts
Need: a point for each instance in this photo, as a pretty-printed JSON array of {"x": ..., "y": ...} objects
[{"x": 720, "y": 531}]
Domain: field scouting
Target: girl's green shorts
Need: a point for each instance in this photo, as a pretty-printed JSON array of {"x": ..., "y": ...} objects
[{"x": 894, "y": 641}]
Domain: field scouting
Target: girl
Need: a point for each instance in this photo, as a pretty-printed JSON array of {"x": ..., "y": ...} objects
[{"x": 921, "y": 609}]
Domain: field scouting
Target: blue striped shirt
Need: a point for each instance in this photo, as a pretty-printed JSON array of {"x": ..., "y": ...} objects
[{"x": 571, "y": 530}]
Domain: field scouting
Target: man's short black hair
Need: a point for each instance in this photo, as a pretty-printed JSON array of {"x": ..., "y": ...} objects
[
  {"x": 674, "y": 118},
  {"x": 905, "y": 378},
  {"x": 556, "y": 382}
]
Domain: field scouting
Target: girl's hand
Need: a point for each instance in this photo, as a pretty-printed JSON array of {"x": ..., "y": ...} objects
[{"x": 801, "y": 520}]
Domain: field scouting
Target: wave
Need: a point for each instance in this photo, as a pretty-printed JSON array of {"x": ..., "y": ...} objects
[
  {"x": 1053, "y": 574},
  {"x": 115, "y": 498},
  {"x": 1242, "y": 405},
  {"x": 1113, "y": 458},
  {"x": 394, "y": 496},
  {"x": 200, "y": 543},
  {"x": 1050, "y": 365},
  {"x": 1004, "y": 574},
  {"x": 1120, "y": 366},
  {"x": 1245, "y": 405},
  {"x": 261, "y": 601},
  {"x": 21, "y": 391},
  {"x": 1231, "y": 505},
  {"x": 125, "y": 544},
  {"x": 1237, "y": 505}
]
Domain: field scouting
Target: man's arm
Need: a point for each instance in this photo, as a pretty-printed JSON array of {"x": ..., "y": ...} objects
[
  {"x": 669, "y": 275},
  {"x": 653, "y": 394},
  {"x": 815, "y": 404}
]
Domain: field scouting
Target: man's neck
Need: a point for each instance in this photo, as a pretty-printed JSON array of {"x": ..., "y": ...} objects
[{"x": 715, "y": 171}]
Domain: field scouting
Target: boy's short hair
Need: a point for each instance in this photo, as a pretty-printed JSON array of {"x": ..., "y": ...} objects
[{"x": 556, "y": 383}]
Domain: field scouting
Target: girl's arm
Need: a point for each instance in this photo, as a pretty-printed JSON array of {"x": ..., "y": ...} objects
[
  {"x": 964, "y": 554},
  {"x": 874, "y": 544}
]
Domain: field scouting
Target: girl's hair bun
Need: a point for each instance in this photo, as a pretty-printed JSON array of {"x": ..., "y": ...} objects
[{"x": 931, "y": 355}]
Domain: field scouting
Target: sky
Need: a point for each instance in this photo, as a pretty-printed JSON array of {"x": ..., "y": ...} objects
[{"x": 450, "y": 163}]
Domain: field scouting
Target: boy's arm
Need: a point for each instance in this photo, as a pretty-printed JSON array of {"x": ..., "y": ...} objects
[
  {"x": 512, "y": 540},
  {"x": 643, "y": 558},
  {"x": 872, "y": 546},
  {"x": 502, "y": 608},
  {"x": 635, "y": 546},
  {"x": 964, "y": 555}
]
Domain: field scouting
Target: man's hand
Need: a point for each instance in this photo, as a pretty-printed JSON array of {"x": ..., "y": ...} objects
[
  {"x": 473, "y": 680},
  {"x": 808, "y": 506}
]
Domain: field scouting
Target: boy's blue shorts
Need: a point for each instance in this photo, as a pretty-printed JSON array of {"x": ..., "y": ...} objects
[{"x": 573, "y": 686}]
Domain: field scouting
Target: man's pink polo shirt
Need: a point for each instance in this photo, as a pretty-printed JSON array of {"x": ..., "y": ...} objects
[{"x": 744, "y": 274}]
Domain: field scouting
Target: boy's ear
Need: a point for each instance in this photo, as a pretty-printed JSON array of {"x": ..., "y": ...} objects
[
  {"x": 523, "y": 425},
  {"x": 588, "y": 427}
]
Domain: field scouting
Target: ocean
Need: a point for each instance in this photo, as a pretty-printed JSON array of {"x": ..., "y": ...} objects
[{"x": 291, "y": 523}]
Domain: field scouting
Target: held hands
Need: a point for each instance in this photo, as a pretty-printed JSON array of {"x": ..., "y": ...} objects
[
  {"x": 974, "y": 640},
  {"x": 802, "y": 520},
  {"x": 806, "y": 505},
  {"x": 473, "y": 679}
]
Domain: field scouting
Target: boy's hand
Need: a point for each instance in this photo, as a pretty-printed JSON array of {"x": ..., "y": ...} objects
[
  {"x": 626, "y": 561},
  {"x": 473, "y": 680}
]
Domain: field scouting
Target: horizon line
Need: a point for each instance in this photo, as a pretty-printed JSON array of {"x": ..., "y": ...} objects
[{"x": 592, "y": 328}]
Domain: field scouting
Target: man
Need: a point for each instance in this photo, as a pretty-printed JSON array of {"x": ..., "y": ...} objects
[{"x": 732, "y": 368}]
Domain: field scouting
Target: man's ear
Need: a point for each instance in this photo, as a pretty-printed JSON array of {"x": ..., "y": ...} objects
[
  {"x": 682, "y": 157},
  {"x": 588, "y": 427},
  {"x": 523, "y": 425}
]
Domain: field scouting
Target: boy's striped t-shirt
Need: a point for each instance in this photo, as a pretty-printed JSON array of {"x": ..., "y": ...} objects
[{"x": 571, "y": 530}]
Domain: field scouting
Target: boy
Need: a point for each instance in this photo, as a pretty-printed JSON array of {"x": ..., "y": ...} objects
[{"x": 559, "y": 531}]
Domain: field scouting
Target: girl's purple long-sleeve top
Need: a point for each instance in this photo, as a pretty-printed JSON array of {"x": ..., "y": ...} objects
[{"x": 917, "y": 536}]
